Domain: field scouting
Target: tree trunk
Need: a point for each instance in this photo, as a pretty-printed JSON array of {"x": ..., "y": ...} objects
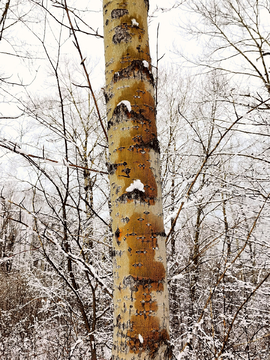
[{"x": 141, "y": 317}]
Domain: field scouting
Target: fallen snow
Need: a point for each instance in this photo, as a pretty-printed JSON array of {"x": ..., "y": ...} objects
[
  {"x": 134, "y": 22},
  {"x": 126, "y": 103},
  {"x": 137, "y": 184}
]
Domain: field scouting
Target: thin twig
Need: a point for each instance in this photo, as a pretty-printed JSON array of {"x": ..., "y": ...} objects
[
  {"x": 16, "y": 149},
  {"x": 77, "y": 45}
]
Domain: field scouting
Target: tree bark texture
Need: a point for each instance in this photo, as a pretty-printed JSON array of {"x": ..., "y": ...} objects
[{"x": 141, "y": 316}]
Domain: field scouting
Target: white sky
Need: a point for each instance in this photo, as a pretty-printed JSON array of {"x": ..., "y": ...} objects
[
  {"x": 19, "y": 40},
  {"x": 20, "y": 36}
]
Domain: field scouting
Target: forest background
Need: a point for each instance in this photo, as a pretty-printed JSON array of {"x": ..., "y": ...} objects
[{"x": 211, "y": 66}]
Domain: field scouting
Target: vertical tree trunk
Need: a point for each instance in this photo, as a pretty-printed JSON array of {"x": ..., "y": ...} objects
[{"x": 141, "y": 318}]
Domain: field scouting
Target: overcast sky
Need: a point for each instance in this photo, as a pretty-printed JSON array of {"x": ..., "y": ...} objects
[{"x": 33, "y": 71}]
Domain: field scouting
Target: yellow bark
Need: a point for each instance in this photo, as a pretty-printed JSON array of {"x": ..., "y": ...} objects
[{"x": 141, "y": 318}]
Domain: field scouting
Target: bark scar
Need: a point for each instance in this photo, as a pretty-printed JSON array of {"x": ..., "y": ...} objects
[
  {"x": 118, "y": 13},
  {"x": 121, "y": 34}
]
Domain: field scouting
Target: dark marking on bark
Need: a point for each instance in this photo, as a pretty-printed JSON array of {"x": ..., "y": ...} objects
[
  {"x": 107, "y": 96},
  {"x": 118, "y": 320},
  {"x": 136, "y": 282},
  {"x": 141, "y": 252},
  {"x": 130, "y": 234},
  {"x": 135, "y": 195},
  {"x": 127, "y": 172},
  {"x": 121, "y": 34},
  {"x": 169, "y": 352},
  {"x": 118, "y": 13},
  {"x": 121, "y": 114},
  {"x": 118, "y": 188},
  {"x": 108, "y": 3},
  {"x": 112, "y": 252},
  {"x": 113, "y": 167},
  {"x": 136, "y": 70},
  {"x": 129, "y": 281},
  {"x": 117, "y": 236},
  {"x": 147, "y": 4},
  {"x": 152, "y": 144},
  {"x": 160, "y": 233}
]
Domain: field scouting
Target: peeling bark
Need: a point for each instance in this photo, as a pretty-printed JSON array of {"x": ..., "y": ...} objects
[{"x": 141, "y": 318}]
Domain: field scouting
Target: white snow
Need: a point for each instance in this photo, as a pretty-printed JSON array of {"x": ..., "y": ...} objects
[
  {"x": 86, "y": 267},
  {"x": 177, "y": 277},
  {"x": 126, "y": 103},
  {"x": 134, "y": 22},
  {"x": 136, "y": 184},
  {"x": 140, "y": 338},
  {"x": 145, "y": 63},
  {"x": 79, "y": 341}
]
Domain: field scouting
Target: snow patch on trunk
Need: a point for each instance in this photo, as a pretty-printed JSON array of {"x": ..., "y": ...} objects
[
  {"x": 126, "y": 103},
  {"x": 136, "y": 184},
  {"x": 134, "y": 22},
  {"x": 140, "y": 338},
  {"x": 145, "y": 63}
]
